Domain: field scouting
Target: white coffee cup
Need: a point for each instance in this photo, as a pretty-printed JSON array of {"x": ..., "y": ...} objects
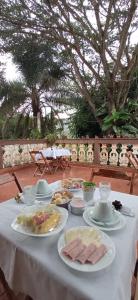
[
  {"x": 42, "y": 187},
  {"x": 103, "y": 211}
]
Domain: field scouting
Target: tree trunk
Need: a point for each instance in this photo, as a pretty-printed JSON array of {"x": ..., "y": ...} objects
[{"x": 36, "y": 109}]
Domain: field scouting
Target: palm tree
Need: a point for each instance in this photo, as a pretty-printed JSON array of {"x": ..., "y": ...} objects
[{"x": 41, "y": 71}]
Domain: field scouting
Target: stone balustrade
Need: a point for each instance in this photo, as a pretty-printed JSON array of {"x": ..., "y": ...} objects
[{"x": 105, "y": 151}]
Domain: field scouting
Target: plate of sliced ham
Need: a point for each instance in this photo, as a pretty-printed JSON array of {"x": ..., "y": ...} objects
[{"x": 86, "y": 249}]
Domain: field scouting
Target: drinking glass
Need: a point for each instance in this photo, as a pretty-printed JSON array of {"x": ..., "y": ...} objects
[
  {"x": 28, "y": 196},
  {"x": 104, "y": 189}
]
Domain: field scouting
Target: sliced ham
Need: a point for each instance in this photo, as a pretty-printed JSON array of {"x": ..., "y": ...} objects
[
  {"x": 76, "y": 251},
  {"x": 83, "y": 256},
  {"x": 98, "y": 254},
  {"x": 39, "y": 219},
  {"x": 70, "y": 246}
]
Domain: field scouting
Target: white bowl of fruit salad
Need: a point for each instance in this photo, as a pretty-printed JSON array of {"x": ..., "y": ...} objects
[{"x": 72, "y": 184}]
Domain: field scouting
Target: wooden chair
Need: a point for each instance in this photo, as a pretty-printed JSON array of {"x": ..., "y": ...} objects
[
  {"x": 132, "y": 159},
  {"x": 133, "y": 163},
  {"x": 114, "y": 172},
  {"x": 6, "y": 293},
  {"x": 9, "y": 177},
  {"x": 42, "y": 164},
  {"x": 65, "y": 162}
]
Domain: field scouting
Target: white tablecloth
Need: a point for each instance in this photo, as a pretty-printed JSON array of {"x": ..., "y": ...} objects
[
  {"x": 32, "y": 265},
  {"x": 54, "y": 152}
]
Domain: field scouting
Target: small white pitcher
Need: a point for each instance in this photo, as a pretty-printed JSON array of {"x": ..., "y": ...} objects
[{"x": 28, "y": 196}]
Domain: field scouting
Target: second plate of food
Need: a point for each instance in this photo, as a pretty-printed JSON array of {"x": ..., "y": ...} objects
[
  {"x": 62, "y": 198},
  {"x": 40, "y": 220},
  {"x": 72, "y": 184},
  {"x": 86, "y": 249}
]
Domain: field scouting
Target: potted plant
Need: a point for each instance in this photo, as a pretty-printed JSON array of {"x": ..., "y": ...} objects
[
  {"x": 88, "y": 188},
  {"x": 51, "y": 139}
]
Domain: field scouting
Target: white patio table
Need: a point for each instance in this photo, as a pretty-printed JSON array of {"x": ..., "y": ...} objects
[
  {"x": 32, "y": 265},
  {"x": 54, "y": 152}
]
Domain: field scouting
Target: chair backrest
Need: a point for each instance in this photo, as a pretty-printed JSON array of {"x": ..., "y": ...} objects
[
  {"x": 9, "y": 177},
  {"x": 46, "y": 161},
  {"x": 132, "y": 159},
  {"x": 33, "y": 154}
]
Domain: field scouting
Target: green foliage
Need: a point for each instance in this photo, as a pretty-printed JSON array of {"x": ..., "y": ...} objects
[
  {"x": 12, "y": 96},
  {"x": 120, "y": 123},
  {"x": 89, "y": 184},
  {"x": 51, "y": 138},
  {"x": 83, "y": 122},
  {"x": 35, "y": 134},
  {"x": 36, "y": 61},
  {"x": 101, "y": 71},
  {"x": 95, "y": 48},
  {"x": 133, "y": 90},
  {"x": 42, "y": 69}
]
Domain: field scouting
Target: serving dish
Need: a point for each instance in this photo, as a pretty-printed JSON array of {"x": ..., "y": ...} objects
[
  {"x": 72, "y": 184},
  {"x": 62, "y": 198},
  {"x": 34, "y": 219},
  {"x": 77, "y": 206}
]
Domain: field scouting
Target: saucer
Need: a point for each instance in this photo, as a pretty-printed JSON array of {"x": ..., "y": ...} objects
[
  {"x": 42, "y": 196},
  {"x": 119, "y": 225},
  {"x": 114, "y": 221}
]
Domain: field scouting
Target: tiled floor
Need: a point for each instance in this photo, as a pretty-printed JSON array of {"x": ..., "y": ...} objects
[{"x": 25, "y": 177}]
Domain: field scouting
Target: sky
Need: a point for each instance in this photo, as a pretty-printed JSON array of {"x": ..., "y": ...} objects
[{"x": 11, "y": 71}]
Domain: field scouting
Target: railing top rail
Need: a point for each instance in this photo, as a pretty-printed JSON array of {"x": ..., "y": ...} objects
[{"x": 125, "y": 140}]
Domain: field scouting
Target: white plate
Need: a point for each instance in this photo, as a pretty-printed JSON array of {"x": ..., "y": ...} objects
[
  {"x": 74, "y": 190},
  {"x": 41, "y": 195},
  {"x": 104, "y": 262},
  {"x": 71, "y": 189},
  {"x": 114, "y": 221},
  {"x": 44, "y": 196},
  {"x": 21, "y": 229},
  {"x": 119, "y": 225}
]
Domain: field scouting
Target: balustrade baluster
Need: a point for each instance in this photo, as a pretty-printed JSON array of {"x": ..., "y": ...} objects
[
  {"x": 113, "y": 156},
  {"x": 104, "y": 155},
  {"x": 89, "y": 153},
  {"x": 82, "y": 153},
  {"x": 123, "y": 160}
]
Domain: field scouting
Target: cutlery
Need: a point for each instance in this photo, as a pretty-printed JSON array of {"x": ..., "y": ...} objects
[{"x": 127, "y": 211}]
